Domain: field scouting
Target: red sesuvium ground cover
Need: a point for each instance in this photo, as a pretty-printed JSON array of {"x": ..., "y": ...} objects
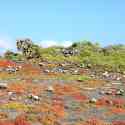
[
  {"x": 79, "y": 97},
  {"x": 20, "y": 120},
  {"x": 58, "y": 108},
  {"x": 21, "y": 88},
  {"x": 6, "y": 63},
  {"x": 94, "y": 121},
  {"x": 103, "y": 102},
  {"x": 29, "y": 69},
  {"x": 57, "y": 101},
  {"x": 119, "y": 102},
  {"x": 65, "y": 89},
  {"x": 55, "y": 107},
  {"x": 116, "y": 110},
  {"x": 118, "y": 122},
  {"x": 17, "y": 87},
  {"x": 6, "y": 123}
]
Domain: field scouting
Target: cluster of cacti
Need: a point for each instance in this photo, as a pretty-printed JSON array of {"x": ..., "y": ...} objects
[{"x": 28, "y": 49}]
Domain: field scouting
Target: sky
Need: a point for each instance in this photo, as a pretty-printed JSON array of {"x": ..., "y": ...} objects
[{"x": 50, "y": 22}]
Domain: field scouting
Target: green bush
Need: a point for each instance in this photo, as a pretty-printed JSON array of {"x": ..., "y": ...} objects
[{"x": 111, "y": 58}]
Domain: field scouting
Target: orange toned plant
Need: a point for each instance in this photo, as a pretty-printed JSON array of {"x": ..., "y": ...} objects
[
  {"x": 95, "y": 83},
  {"x": 57, "y": 101},
  {"x": 6, "y": 123},
  {"x": 34, "y": 89},
  {"x": 30, "y": 70},
  {"x": 103, "y": 102},
  {"x": 17, "y": 87},
  {"x": 48, "y": 119},
  {"x": 79, "y": 97},
  {"x": 65, "y": 89},
  {"x": 118, "y": 102},
  {"x": 94, "y": 121},
  {"x": 3, "y": 115},
  {"x": 118, "y": 122},
  {"x": 116, "y": 110},
  {"x": 59, "y": 111},
  {"x": 6, "y": 63},
  {"x": 44, "y": 107},
  {"x": 21, "y": 120}
]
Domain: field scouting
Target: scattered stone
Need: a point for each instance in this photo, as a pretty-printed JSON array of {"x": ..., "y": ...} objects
[
  {"x": 1, "y": 69},
  {"x": 10, "y": 69},
  {"x": 20, "y": 67},
  {"x": 10, "y": 93},
  {"x": 118, "y": 78},
  {"x": 88, "y": 88},
  {"x": 3, "y": 115},
  {"x": 41, "y": 64},
  {"x": 109, "y": 92},
  {"x": 47, "y": 71},
  {"x": 75, "y": 72},
  {"x": 82, "y": 65},
  {"x": 109, "y": 102},
  {"x": 89, "y": 65},
  {"x": 58, "y": 69},
  {"x": 93, "y": 100},
  {"x": 116, "y": 83},
  {"x": 106, "y": 74},
  {"x": 102, "y": 92},
  {"x": 69, "y": 52},
  {"x": 50, "y": 89},
  {"x": 3, "y": 85},
  {"x": 12, "y": 96},
  {"x": 34, "y": 97},
  {"x": 120, "y": 92}
]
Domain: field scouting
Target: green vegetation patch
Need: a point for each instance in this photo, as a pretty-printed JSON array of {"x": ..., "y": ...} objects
[{"x": 16, "y": 106}]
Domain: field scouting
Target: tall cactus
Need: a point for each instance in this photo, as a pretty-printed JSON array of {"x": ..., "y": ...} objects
[{"x": 29, "y": 50}]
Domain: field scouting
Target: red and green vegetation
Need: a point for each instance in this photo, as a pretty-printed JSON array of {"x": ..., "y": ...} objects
[{"x": 47, "y": 86}]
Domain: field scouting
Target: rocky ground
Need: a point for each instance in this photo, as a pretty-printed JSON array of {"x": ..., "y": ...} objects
[{"x": 60, "y": 94}]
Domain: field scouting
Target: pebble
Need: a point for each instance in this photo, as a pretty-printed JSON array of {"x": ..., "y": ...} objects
[
  {"x": 120, "y": 92},
  {"x": 10, "y": 93},
  {"x": 34, "y": 97},
  {"x": 105, "y": 74},
  {"x": 118, "y": 78},
  {"x": 3, "y": 85},
  {"x": 87, "y": 88},
  {"x": 50, "y": 89},
  {"x": 93, "y": 100},
  {"x": 116, "y": 83}
]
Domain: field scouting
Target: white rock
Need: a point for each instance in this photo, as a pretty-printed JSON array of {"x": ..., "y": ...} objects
[
  {"x": 93, "y": 100},
  {"x": 88, "y": 88},
  {"x": 35, "y": 97},
  {"x": 118, "y": 78},
  {"x": 105, "y": 74},
  {"x": 50, "y": 88},
  {"x": 120, "y": 92},
  {"x": 116, "y": 83},
  {"x": 10, "y": 93},
  {"x": 47, "y": 71},
  {"x": 3, "y": 85},
  {"x": 76, "y": 71},
  {"x": 20, "y": 67},
  {"x": 102, "y": 92}
]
